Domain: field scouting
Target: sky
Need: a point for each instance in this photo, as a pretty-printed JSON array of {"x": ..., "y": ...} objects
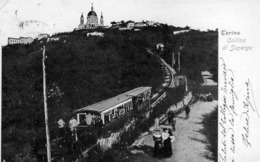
[{"x": 64, "y": 15}]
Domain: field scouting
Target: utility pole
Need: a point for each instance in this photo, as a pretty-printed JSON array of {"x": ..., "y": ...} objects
[
  {"x": 45, "y": 108},
  {"x": 179, "y": 61},
  {"x": 186, "y": 84}
]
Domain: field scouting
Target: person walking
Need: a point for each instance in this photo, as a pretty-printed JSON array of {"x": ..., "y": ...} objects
[
  {"x": 187, "y": 111},
  {"x": 157, "y": 137},
  {"x": 61, "y": 131}
]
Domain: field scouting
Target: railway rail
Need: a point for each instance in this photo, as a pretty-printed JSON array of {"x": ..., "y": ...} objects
[{"x": 170, "y": 83}]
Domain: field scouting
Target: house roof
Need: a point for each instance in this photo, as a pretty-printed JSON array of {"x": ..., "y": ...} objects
[
  {"x": 130, "y": 21},
  {"x": 12, "y": 38},
  {"x": 206, "y": 73},
  {"x": 43, "y": 34},
  {"x": 111, "y": 102},
  {"x": 26, "y": 38}
]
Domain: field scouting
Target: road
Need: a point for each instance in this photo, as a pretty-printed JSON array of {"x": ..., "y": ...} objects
[{"x": 189, "y": 145}]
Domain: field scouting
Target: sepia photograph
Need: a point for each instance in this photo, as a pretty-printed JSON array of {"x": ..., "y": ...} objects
[{"x": 118, "y": 81}]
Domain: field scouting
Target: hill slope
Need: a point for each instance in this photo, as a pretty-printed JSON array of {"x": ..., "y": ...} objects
[{"x": 80, "y": 71}]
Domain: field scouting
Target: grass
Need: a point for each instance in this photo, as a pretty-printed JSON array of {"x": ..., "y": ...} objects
[{"x": 210, "y": 130}]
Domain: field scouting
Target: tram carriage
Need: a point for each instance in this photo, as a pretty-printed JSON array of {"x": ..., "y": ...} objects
[
  {"x": 99, "y": 119},
  {"x": 112, "y": 114}
]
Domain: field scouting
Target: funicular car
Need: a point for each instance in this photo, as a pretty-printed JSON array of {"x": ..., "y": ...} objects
[{"x": 110, "y": 115}]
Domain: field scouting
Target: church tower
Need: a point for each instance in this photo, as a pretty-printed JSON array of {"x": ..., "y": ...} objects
[
  {"x": 82, "y": 19},
  {"x": 81, "y": 24},
  {"x": 101, "y": 20}
]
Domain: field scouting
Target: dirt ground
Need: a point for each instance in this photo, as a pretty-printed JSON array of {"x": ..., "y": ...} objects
[{"x": 189, "y": 145}]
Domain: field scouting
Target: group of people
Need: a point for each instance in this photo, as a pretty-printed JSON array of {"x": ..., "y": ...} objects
[
  {"x": 206, "y": 97},
  {"x": 163, "y": 143},
  {"x": 72, "y": 126},
  {"x": 163, "y": 139}
]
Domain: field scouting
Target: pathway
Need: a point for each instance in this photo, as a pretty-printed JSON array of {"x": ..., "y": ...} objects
[{"x": 189, "y": 145}]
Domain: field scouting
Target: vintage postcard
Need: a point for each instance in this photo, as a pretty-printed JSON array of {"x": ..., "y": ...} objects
[{"x": 128, "y": 80}]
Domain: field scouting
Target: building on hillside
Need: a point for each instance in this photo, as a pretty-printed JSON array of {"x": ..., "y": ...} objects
[
  {"x": 124, "y": 28},
  {"x": 156, "y": 24},
  {"x": 53, "y": 39},
  {"x": 14, "y": 41},
  {"x": 21, "y": 40},
  {"x": 114, "y": 24},
  {"x": 44, "y": 35},
  {"x": 26, "y": 40},
  {"x": 92, "y": 20},
  {"x": 150, "y": 23},
  {"x": 140, "y": 24},
  {"x": 130, "y": 24},
  {"x": 97, "y": 34},
  {"x": 180, "y": 31}
]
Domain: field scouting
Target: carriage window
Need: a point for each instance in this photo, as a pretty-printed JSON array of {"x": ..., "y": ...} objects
[
  {"x": 106, "y": 118},
  {"x": 115, "y": 114},
  {"x": 124, "y": 107},
  {"x": 82, "y": 118},
  {"x": 131, "y": 105},
  {"x": 121, "y": 110},
  {"x": 127, "y": 106}
]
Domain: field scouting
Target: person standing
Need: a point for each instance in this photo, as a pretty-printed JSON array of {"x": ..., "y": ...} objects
[
  {"x": 174, "y": 125},
  {"x": 170, "y": 117},
  {"x": 167, "y": 145},
  {"x": 156, "y": 123},
  {"x": 72, "y": 125},
  {"x": 99, "y": 125},
  {"x": 187, "y": 111},
  {"x": 61, "y": 124},
  {"x": 210, "y": 97},
  {"x": 157, "y": 137},
  {"x": 89, "y": 119}
]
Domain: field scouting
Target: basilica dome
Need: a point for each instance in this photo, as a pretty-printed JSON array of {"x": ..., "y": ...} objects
[{"x": 92, "y": 13}]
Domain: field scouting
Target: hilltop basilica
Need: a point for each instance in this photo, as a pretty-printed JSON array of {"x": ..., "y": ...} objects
[{"x": 92, "y": 20}]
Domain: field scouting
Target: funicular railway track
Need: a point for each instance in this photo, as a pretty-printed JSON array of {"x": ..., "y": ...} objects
[{"x": 169, "y": 83}]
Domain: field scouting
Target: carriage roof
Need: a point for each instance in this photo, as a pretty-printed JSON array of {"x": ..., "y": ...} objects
[{"x": 106, "y": 104}]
